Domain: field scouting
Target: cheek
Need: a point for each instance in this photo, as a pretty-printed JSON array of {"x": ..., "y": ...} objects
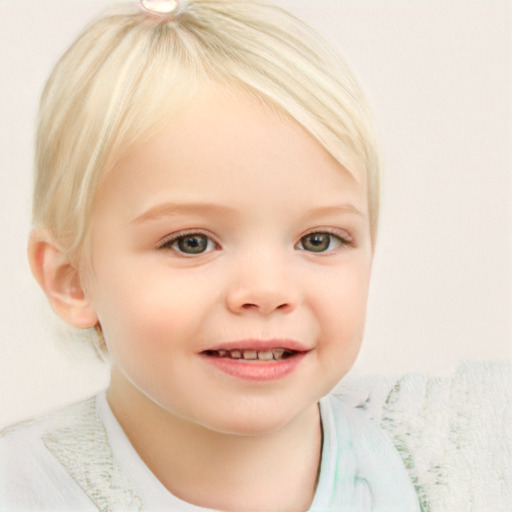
[
  {"x": 342, "y": 321},
  {"x": 146, "y": 315},
  {"x": 344, "y": 306}
]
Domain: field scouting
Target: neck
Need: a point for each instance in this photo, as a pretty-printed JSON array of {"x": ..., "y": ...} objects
[{"x": 274, "y": 471}]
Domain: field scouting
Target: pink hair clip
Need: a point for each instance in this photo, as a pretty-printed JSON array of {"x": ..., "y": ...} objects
[{"x": 160, "y": 7}]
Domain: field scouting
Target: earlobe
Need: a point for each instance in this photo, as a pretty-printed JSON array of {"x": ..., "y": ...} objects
[{"x": 60, "y": 280}]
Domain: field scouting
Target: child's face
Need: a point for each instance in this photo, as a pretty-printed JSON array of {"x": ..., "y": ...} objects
[{"x": 232, "y": 230}]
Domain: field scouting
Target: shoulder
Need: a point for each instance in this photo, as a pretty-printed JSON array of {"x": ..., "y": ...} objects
[
  {"x": 38, "y": 432},
  {"x": 453, "y": 432},
  {"x": 358, "y": 429},
  {"x": 480, "y": 392},
  {"x": 32, "y": 477},
  {"x": 364, "y": 454}
]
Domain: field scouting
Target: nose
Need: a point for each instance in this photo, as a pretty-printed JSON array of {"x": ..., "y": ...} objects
[{"x": 263, "y": 285}]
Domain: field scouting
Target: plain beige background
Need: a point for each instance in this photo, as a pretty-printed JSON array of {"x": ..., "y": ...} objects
[{"x": 438, "y": 76}]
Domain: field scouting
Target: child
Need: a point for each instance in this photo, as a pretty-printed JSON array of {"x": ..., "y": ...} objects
[{"x": 206, "y": 199}]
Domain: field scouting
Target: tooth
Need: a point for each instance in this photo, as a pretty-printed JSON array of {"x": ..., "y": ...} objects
[
  {"x": 278, "y": 353},
  {"x": 223, "y": 353},
  {"x": 250, "y": 354},
  {"x": 265, "y": 355},
  {"x": 236, "y": 354}
]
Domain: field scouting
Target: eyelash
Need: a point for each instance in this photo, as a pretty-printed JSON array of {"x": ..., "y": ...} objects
[
  {"x": 344, "y": 239},
  {"x": 168, "y": 242}
]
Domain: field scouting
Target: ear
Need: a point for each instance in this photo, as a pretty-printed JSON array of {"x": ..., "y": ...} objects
[{"x": 60, "y": 280}]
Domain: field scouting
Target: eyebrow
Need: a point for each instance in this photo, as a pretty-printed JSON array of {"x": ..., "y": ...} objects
[
  {"x": 335, "y": 209},
  {"x": 172, "y": 209}
]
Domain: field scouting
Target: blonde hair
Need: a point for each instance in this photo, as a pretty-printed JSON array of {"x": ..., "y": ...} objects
[{"x": 129, "y": 72}]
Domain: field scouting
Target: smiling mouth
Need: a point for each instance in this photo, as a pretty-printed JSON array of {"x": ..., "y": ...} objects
[{"x": 275, "y": 354}]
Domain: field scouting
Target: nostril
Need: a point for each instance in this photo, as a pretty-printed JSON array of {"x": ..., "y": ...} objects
[
  {"x": 262, "y": 299},
  {"x": 264, "y": 307}
]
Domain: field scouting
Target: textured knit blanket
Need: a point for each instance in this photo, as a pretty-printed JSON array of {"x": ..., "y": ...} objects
[{"x": 454, "y": 432}]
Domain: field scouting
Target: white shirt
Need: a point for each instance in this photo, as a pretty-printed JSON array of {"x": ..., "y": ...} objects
[{"x": 79, "y": 459}]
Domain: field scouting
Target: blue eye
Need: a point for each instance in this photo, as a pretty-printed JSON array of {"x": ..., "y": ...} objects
[
  {"x": 321, "y": 242},
  {"x": 190, "y": 244}
]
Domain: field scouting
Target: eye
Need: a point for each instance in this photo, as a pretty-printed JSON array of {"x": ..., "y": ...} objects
[
  {"x": 321, "y": 241},
  {"x": 189, "y": 243}
]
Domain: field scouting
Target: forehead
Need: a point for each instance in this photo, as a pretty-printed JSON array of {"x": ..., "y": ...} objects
[
  {"x": 220, "y": 118},
  {"x": 223, "y": 143}
]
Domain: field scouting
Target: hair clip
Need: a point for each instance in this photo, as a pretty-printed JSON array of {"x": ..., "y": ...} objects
[{"x": 160, "y": 7}]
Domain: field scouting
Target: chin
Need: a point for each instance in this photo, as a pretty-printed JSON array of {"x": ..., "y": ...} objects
[
  {"x": 249, "y": 427},
  {"x": 251, "y": 421}
]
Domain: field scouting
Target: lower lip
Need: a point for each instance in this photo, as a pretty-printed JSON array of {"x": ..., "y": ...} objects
[{"x": 255, "y": 370}]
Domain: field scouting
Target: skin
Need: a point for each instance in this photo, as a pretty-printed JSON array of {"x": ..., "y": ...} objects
[{"x": 254, "y": 186}]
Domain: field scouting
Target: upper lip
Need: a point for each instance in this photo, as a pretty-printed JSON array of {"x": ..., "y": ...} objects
[{"x": 261, "y": 345}]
